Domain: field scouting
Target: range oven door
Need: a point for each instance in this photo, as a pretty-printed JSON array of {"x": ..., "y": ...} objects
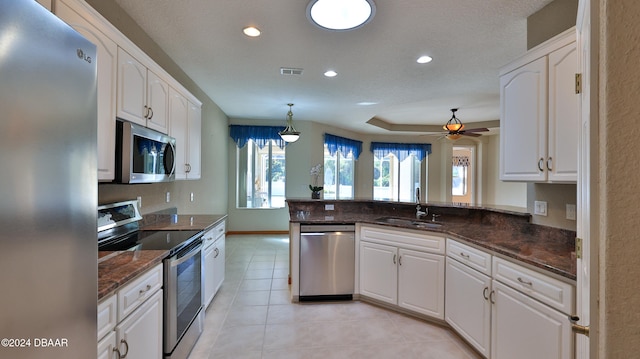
[{"x": 183, "y": 298}]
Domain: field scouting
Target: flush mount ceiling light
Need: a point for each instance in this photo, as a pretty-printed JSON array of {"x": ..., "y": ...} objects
[
  {"x": 251, "y": 31},
  {"x": 424, "y": 59},
  {"x": 289, "y": 134},
  {"x": 340, "y": 15},
  {"x": 331, "y": 73}
]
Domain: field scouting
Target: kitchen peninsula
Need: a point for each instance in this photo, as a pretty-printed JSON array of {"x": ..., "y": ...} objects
[{"x": 480, "y": 270}]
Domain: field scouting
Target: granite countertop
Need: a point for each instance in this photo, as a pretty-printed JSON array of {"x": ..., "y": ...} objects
[
  {"x": 185, "y": 222},
  {"x": 547, "y": 248},
  {"x": 115, "y": 269}
]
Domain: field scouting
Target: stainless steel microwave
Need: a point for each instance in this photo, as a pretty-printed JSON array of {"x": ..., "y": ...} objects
[{"x": 143, "y": 155}]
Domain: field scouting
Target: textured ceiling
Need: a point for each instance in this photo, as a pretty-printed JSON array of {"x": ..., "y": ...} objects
[{"x": 469, "y": 41}]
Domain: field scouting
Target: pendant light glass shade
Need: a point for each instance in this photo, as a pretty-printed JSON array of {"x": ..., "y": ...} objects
[{"x": 289, "y": 134}]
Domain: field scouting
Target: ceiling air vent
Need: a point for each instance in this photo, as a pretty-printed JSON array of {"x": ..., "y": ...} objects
[{"x": 290, "y": 71}]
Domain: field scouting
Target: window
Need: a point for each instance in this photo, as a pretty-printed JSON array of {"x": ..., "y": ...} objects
[
  {"x": 340, "y": 155},
  {"x": 260, "y": 163},
  {"x": 396, "y": 170},
  {"x": 395, "y": 180},
  {"x": 338, "y": 175}
]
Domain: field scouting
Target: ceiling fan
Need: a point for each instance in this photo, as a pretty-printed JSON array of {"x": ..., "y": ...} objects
[{"x": 455, "y": 128}]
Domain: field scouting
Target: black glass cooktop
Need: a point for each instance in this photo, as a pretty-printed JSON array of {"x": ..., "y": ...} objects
[{"x": 139, "y": 240}]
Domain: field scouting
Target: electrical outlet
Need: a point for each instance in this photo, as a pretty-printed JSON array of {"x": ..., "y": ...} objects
[
  {"x": 191, "y": 197},
  {"x": 571, "y": 211},
  {"x": 168, "y": 196},
  {"x": 139, "y": 202},
  {"x": 328, "y": 207},
  {"x": 540, "y": 208}
]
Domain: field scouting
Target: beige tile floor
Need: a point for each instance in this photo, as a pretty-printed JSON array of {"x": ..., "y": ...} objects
[{"x": 251, "y": 317}]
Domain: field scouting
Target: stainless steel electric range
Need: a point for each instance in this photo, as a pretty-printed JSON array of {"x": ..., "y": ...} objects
[{"x": 119, "y": 230}]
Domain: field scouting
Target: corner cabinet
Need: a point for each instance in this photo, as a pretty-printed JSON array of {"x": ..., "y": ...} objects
[
  {"x": 539, "y": 114},
  {"x": 130, "y": 321},
  {"x": 185, "y": 119},
  {"x": 403, "y": 268}
]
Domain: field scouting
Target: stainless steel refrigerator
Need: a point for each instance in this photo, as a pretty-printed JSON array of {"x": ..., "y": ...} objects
[{"x": 48, "y": 186}]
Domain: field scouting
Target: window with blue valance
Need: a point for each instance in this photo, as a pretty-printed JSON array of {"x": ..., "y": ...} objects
[
  {"x": 401, "y": 150},
  {"x": 344, "y": 145},
  {"x": 261, "y": 135}
]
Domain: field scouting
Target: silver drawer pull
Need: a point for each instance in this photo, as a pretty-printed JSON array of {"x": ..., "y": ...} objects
[
  {"x": 524, "y": 282},
  {"x": 144, "y": 291},
  {"x": 465, "y": 256}
]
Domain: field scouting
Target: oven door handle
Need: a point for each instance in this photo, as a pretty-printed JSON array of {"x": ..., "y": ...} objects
[{"x": 189, "y": 255}]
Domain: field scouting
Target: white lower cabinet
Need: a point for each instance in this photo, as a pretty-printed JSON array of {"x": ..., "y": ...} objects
[
  {"x": 524, "y": 328},
  {"x": 107, "y": 346},
  {"x": 213, "y": 264},
  {"x": 394, "y": 274},
  {"x": 468, "y": 309},
  {"x": 132, "y": 327},
  {"x": 140, "y": 334}
]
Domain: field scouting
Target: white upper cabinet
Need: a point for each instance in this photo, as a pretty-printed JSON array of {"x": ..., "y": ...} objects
[
  {"x": 142, "y": 95},
  {"x": 539, "y": 114},
  {"x": 185, "y": 125},
  {"x": 107, "y": 54}
]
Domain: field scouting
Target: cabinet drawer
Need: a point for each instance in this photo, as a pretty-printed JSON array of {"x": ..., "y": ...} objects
[
  {"x": 553, "y": 292},
  {"x": 410, "y": 239},
  {"x": 213, "y": 234},
  {"x": 136, "y": 292},
  {"x": 474, "y": 258},
  {"x": 107, "y": 315}
]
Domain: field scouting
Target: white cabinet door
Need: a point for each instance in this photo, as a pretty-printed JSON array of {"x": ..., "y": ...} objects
[
  {"x": 524, "y": 328},
  {"x": 523, "y": 124},
  {"x": 142, "y": 330},
  {"x": 132, "y": 89},
  {"x": 107, "y": 347},
  {"x": 562, "y": 162},
  {"x": 107, "y": 68},
  {"x": 379, "y": 272},
  {"x": 219, "y": 263},
  {"x": 178, "y": 117},
  {"x": 468, "y": 309},
  {"x": 421, "y": 282},
  {"x": 195, "y": 134},
  {"x": 209, "y": 274},
  {"x": 158, "y": 103}
]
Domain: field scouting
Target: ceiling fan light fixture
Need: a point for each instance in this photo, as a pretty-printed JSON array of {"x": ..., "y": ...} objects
[
  {"x": 340, "y": 15},
  {"x": 453, "y": 136},
  {"x": 454, "y": 124},
  {"x": 289, "y": 134}
]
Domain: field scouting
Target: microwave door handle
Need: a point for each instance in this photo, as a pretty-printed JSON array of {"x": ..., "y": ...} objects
[{"x": 171, "y": 171}]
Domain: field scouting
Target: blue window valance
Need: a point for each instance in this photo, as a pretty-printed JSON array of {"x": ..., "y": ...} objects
[
  {"x": 344, "y": 145},
  {"x": 261, "y": 135},
  {"x": 401, "y": 150}
]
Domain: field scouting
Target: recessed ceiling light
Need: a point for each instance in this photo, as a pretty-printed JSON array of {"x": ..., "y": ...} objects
[
  {"x": 251, "y": 31},
  {"x": 424, "y": 59},
  {"x": 340, "y": 15},
  {"x": 364, "y": 103},
  {"x": 330, "y": 73}
]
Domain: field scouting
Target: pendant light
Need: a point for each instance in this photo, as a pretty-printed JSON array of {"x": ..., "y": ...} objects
[{"x": 289, "y": 134}]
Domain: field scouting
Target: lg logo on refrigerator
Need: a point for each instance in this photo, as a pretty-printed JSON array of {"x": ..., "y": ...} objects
[{"x": 83, "y": 56}]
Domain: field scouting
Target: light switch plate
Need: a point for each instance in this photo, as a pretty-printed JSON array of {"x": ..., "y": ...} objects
[
  {"x": 168, "y": 196},
  {"x": 571, "y": 211},
  {"x": 540, "y": 208},
  {"x": 328, "y": 207}
]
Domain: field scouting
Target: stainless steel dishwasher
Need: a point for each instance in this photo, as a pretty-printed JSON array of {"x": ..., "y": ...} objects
[{"x": 327, "y": 262}]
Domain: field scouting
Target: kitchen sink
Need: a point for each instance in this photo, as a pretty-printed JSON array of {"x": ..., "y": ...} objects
[{"x": 410, "y": 222}]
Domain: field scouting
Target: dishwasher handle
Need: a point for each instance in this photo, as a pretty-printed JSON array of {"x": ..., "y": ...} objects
[{"x": 323, "y": 228}]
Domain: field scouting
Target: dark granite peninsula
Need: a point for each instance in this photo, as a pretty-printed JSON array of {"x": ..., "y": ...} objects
[{"x": 503, "y": 230}]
